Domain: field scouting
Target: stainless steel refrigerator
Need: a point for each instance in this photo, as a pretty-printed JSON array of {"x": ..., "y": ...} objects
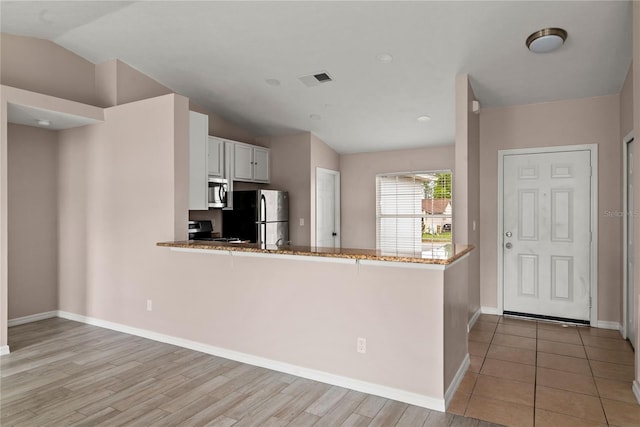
[{"x": 260, "y": 216}]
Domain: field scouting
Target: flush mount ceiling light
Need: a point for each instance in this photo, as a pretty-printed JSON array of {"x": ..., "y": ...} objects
[
  {"x": 43, "y": 122},
  {"x": 546, "y": 40},
  {"x": 384, "y": 58},
  {"x": 423, "y": 119}
]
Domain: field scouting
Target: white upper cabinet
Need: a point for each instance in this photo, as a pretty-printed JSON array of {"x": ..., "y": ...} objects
[
  {"x": 250, "y": 163},
  {"x": 242, "y": 162},
  {"x": 215, "y": 158},
  {"x": 198, "y": 183},
  {"x": 261, "y": 164},
  {"x": 210, "y": 156}
]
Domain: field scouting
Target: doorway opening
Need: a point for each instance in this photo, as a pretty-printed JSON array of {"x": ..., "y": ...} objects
[{"x": 327, "y": 208}]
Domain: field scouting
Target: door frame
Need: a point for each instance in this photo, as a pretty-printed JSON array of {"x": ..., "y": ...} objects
[
  {"x": 336, "y": 205},
  {"x": 593, "y": 149},
  {"x": 625, "y": 256}
]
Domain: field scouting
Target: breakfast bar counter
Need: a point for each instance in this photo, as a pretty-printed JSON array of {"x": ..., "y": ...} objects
[
  {"x": 303, "y": 310},
  {"x": 437, "y": 254}
]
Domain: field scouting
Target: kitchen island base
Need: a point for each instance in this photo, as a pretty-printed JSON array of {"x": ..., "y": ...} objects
[{"x": 303, "y": 315}]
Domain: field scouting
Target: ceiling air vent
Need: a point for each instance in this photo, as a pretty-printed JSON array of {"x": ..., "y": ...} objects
[{"x": 316, "y": 78}]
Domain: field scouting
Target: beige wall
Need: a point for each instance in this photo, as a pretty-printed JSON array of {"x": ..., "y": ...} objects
[
  {"x": 290, "y": 156},
  {"x": 465, "y": 179},
  {"x": 321, "y": 156},
  {"x": 106, "y": 75},
  {"x": 114, "y": 207},
  {"x": 132, "y": 85},
  {"x": 74, "y": 226},
  {"x": 456, "y": 309},
  {"x": 358, "y": 181},
  {"x": 126, "y": 209},
  {"x": 32, "y": 221},
  {"x": 44, "y": 67},
  {"x": 466, "y": 186},
  {"x": 581, "y": 121},
  {"x": 118, "y": 83}
]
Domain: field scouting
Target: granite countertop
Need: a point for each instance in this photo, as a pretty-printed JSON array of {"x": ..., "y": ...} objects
[{"x": 432, "y": 254}]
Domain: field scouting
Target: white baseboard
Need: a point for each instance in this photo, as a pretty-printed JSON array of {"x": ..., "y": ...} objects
[
  {"x": 411, "y": 398},
  {"x": 636, "y": 391},
  {"x": 490, "y": 310},
  {"x": 474, "y": 319},
  {"x": 604, "y": 324},
  {"x": 4, "y": 350},
  {"x": 457, "y": 379},
  {"x": 32, "y": 318}
]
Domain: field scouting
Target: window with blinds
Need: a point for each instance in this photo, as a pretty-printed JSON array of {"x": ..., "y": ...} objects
[{"x": 412, "y": 209}]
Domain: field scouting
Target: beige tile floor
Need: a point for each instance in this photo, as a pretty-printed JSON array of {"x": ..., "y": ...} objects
[{"x": 528, "y": 373}]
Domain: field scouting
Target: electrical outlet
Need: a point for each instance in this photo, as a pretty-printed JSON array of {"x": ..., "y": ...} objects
[
  {"x": 149, "y": 305},
  {"x": 301, "y": 222},
  {"x": 361, "y": 345}
]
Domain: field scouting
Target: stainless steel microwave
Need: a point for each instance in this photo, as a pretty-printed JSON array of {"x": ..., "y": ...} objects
[{"x": 217, "y": 192}]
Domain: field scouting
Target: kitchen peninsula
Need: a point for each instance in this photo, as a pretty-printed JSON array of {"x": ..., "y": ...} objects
[{"x": 390, "y": 325}]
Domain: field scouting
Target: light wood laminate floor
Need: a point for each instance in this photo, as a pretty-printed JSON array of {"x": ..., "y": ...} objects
[{"x": 63, "y": 373}]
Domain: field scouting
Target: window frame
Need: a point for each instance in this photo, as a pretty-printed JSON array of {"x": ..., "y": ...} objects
[{"x": 383, "y": 243}]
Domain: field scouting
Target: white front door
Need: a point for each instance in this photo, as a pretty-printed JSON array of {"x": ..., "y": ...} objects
[
  {"x": 547, "y": 234},
  {"x": 327, "y": 208}
]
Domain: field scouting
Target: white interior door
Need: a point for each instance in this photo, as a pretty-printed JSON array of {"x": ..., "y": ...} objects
[
  {"x": 327, "y": 208},
  {"x": 630, "y": 324},
  {"x": 547, "y": 234}
]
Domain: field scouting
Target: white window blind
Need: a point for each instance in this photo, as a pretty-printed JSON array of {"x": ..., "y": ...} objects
[{"x": 412, "y": 209}]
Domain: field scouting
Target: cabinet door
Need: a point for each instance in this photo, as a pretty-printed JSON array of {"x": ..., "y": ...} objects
[
  {"x": 261, "y": 164},
  {"x": 243, "y": 159},
  {"x": 215, "y": 161},
  {"x": 198, "y": 184}
]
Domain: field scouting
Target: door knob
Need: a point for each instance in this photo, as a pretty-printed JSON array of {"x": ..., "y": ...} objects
[
  {"x": 334, "y": 234},
  {"x": 508, "y": 234},
  {"x": 508, "y": 245}
]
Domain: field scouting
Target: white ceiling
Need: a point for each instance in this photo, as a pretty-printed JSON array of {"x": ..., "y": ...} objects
[{"x": 219, "y": 54}]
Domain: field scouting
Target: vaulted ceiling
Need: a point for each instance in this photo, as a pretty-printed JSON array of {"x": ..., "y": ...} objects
[{"x": 243, "y": 60}]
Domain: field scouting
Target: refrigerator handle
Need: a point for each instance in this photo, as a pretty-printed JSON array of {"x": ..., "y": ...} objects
[
  {"x": 262, "y": 226},
  {"x": 263, "y": 208}
]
